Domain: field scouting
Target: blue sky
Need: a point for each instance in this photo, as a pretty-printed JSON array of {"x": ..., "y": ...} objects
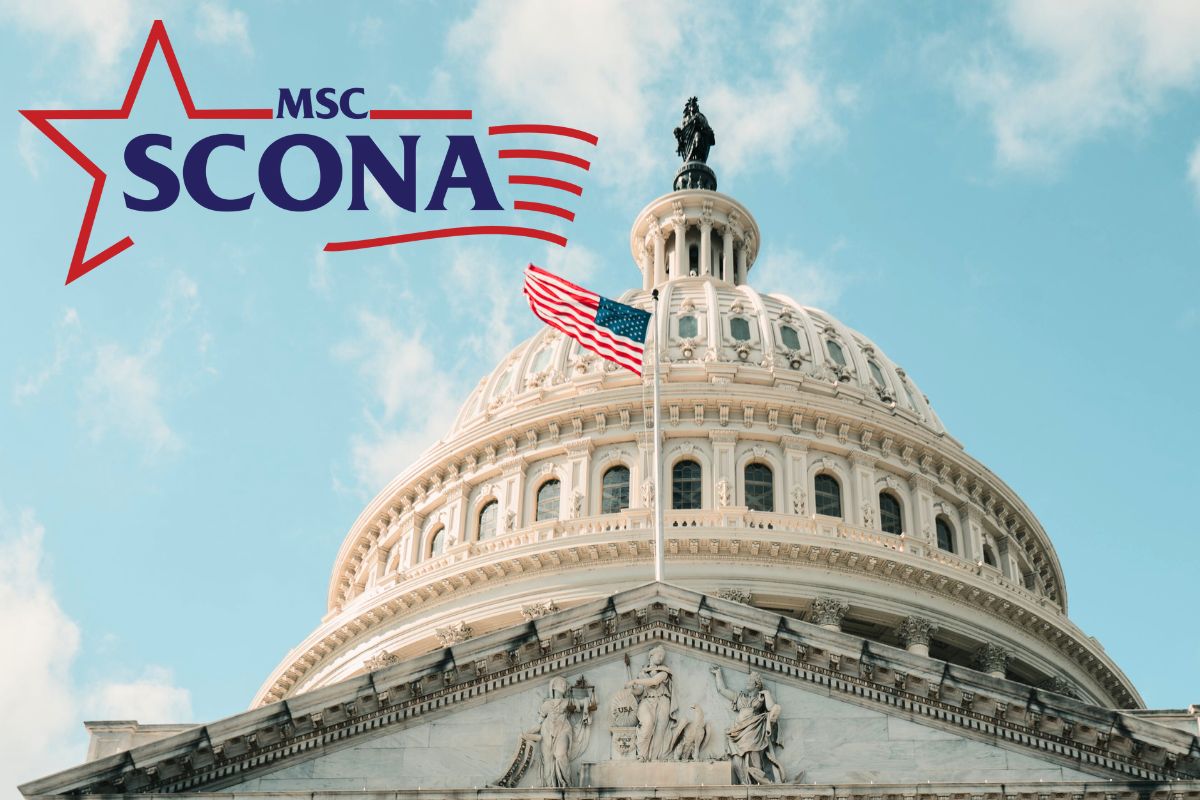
[{"x": 1006, "y": 197}]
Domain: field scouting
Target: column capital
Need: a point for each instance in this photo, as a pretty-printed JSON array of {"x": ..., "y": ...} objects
[
  {"x": 992, "y": 658},
  {"x": 723, "y": 437},
  {"x": 828, "y": 612},
  {"x": 916, "y": 631}
]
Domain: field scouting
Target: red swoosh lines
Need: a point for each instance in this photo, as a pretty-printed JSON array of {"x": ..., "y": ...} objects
[
  {"x": 515, "y": 180},
  {"x": 447, "y": 233}
]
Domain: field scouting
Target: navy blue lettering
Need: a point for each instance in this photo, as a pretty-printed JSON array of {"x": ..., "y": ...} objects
[
  {"x": 329, "y": 171},
  {"x": 195, "y": 173},
  {"x": 365, "y": 156},
  {"x": 329, "y": 106},
  {"x": 464, "y": 150},
  {"x": 294, "y": 105},
  {"x": 139, "y": 162},
  {"x": 347, "y": 111}
]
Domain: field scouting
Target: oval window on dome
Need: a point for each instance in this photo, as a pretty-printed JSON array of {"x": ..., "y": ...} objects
[
  {"x": 912, "y": 401},
  {"x": 688, "y": 328},
  {"x": 739, "y": 329},
  {"x": 790, "y": 337},
  {"x": 502, "y": 384},
  {"x": 877, "y": 373},
  {"x": 541, "y": 360},
  {"x": 836, "y": 352}
]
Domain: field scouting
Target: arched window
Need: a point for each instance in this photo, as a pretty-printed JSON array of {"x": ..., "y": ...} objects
[
  {"x": 685, "y": 485},
  {"x": 890, "y": 519},
  {"x": 877, "y": 374},
  {"x": 835, "y": 352},
  {"x": 487, "y": 520},
  {"x": 688, "y": 327},
  {"x": 760, "y": 487},
  {"x": 694, "y": 260},
  {"x": 828, "y": 493},
  {"x": 989, "y": 557},
  {"x": 739, "y": 329},
  {"x": 614, "y": 490},
  {"x": 541, "y": 360},
  {"x": 438, "y": 542},
  {"x": 547, "y": 500},
  {"x": 791, "y": 339},
  {"x": 945, "y": 535}
]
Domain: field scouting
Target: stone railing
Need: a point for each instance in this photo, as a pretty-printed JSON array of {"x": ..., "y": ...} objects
[{"x": 731, "y": 523}]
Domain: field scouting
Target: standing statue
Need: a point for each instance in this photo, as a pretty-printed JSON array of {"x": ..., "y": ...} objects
[
  {"x": 562, "y": 741},
  {"x": 656, "y": 712},
  {"x": 753, "y": 738},
  {"x": 694, "y": 136},
  {"x": 557, "y": 739}
]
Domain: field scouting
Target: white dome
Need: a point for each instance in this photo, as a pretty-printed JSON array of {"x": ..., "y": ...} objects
[
  {"x": 512, "y": 512},
  {"x": 755, "y": 338}
]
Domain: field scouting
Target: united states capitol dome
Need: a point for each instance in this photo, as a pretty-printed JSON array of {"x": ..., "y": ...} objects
[{"x": 804, "y": 472}]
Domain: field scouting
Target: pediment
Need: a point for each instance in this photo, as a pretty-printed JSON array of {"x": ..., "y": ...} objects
[{"x": 850, "y": 712}]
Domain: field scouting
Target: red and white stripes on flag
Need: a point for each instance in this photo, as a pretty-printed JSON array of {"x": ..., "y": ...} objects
[{"x": 608, "y": 328}]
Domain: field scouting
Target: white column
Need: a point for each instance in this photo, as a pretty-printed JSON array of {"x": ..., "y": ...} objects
[
  {"x": 579, "y": 457},
  {"x": 706, "y": 247},
  {"x": 739, "y": 270},
  {"x": 727, "y": 262},
  {"x": 660, "y": 256},
  {"x": 864, "y": 512},
  {"x": 922, "y": 494},
  {"x": 795, "y": 476},
  {"x": 723, "y": 466},
  {"x": 681, "y": 260}
]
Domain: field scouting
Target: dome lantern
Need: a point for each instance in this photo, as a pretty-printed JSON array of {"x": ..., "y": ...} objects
[{"x": 695, "y": 231}]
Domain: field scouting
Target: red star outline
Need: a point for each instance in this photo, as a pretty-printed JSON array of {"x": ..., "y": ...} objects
[{"x": 80, "y": 264}]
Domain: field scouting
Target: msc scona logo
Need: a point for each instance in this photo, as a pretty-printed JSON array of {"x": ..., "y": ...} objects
[{"x": 463, "y": 165}]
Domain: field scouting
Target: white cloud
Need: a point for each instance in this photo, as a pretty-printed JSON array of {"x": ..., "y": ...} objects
[
  {"x": 40, "y": 703},
  {"x": 123, "y": 395},
  {"x": 414, "y": 399},
  {"x": 99, "y": 31},
  {"x": 151, "y": 698},
  {"x": 591, "y": 65},
  {"x": 66, "y": 337},
  {"x": 576, "y": 263},
  {"x": 612, "y": 68},
  {"x": 122, "y": 389},
  {"x": 789, "y": 272},
  {"x": 488, "y": 293},
  {"x": 774, "y": 118},
  {"x": 1070, "y": 71},
  {"x": 369, "y": 31},
  {"x": 1194, "y": 170},
  {"x": 218, "y": 24},
  {"x": 40, "y": 733},
  {"x": 123, "y": 392}
]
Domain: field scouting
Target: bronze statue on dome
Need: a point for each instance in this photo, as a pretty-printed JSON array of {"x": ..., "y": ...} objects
[{"x": 694, "y": 136}]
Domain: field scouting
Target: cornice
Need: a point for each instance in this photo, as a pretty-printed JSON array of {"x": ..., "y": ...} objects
[
  {"x": 845, "y": 667},
  {"x": 723, "y": 535}
]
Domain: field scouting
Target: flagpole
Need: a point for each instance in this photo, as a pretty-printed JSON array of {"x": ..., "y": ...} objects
[{"x": 659, "y": 540}]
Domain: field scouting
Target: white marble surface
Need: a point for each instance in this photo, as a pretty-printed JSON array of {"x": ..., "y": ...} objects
[{"x": 823, "y": 739}]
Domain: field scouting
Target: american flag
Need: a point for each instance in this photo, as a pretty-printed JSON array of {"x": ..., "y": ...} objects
[{"x": 610, "y": 329}]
